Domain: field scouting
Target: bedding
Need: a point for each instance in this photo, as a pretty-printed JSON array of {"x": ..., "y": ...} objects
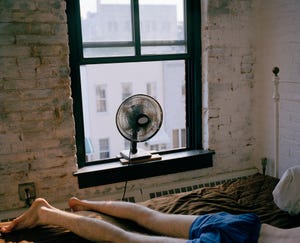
[
  {"x": 252, "y": 194},
  {"x": 286, "y": 193}
]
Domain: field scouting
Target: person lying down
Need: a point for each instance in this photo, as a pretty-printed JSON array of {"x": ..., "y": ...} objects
[{"x": 168, "y": 228}]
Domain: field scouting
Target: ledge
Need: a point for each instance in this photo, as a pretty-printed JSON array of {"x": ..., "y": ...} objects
[{"x": 107, "y": 173}]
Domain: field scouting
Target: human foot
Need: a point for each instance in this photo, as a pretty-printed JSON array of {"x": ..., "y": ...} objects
[
  {"x": 78, "y": 205},
  {"x": 29, "y": 219}
]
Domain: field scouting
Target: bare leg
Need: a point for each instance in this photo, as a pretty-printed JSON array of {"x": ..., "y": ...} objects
[
  {"x": 271, "y": 234},
  {"x": 41, "y": 213},
  {"x": 165, "y": 224},
  {"x": 29, "y": 219}
]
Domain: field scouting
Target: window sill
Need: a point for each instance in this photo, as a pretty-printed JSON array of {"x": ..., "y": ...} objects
[{"x": 101, "y": 174}]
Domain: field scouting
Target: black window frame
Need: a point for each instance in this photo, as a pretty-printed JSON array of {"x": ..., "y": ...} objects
[{"x": 193, "y": 92}]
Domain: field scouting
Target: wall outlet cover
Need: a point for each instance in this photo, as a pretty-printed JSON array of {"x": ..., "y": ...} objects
[{"x": 27, "y": 191}]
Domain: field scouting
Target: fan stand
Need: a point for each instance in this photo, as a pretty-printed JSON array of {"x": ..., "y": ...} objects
[
  {"x": 140, "y": 154},
  {"x": 134, "y": 153},
  {"x": 139, "y": 159}
]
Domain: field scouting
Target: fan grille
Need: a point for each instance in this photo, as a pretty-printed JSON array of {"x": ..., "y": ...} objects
[{"x": 139, "y": 118}]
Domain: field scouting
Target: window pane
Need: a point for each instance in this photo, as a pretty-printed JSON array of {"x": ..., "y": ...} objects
[
  {"x": 106, "y": 28},
  {"x": 164, "y": 79},
  {"x": 162, "y": 26}
]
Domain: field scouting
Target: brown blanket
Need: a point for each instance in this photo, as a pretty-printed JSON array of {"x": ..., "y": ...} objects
[{"x": 251, "y": 194}]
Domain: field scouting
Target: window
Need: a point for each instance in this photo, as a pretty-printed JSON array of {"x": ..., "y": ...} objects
[
  {"x": 127, "y": 47},
  {"x": 151, "y": 89},
  {"x": 179, "y": 138},
  {"x": 101, "y": 98},
  {"x": 126, "y": 144},
  {"x": 126, "y": 90},
  {"x": 104, "y": 148},
  {"x": 176, "y": 138}
]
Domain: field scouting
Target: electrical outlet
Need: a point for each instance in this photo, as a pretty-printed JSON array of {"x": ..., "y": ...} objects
[{"x": 27, "y": 191}]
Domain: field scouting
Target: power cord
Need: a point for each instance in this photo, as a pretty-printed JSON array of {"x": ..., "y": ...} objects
[
  {"x": 124, "y": 191},
  {"x": 125, "y": 185},
  {"x": 264, "y": 162}
]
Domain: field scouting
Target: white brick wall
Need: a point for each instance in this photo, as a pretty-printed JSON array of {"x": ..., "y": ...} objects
[
  {"x": 36, "y": 123},
  {"x": 278, "y": 44},
  {"x": 229, "y": 30}
]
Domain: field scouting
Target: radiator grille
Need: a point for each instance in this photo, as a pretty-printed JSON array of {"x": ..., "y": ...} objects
[
  {"x": 190, "y": 188},
  {"x": 129, "y": 199}
]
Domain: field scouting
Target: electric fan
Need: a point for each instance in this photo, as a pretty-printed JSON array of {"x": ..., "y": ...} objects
[{"x": 138, "y": 119}]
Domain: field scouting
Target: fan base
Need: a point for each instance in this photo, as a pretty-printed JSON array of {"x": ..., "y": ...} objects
[
  {"x": 136, "y": 161},
  {"x": 141, "y": 154}
]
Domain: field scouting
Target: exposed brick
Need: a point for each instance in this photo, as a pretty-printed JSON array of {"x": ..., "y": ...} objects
[
  {"x": 36, "y": 123},
  {"x": 14, "y": 51}
]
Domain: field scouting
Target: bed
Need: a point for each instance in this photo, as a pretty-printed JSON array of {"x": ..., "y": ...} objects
[{"x": 248, "y": 194}]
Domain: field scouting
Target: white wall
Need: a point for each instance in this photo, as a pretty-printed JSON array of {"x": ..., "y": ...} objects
[
  {"x": 228, "y": 79},
  {"x": 278, "y": 44}
]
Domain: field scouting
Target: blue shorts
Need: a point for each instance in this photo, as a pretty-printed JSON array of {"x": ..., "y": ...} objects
[{"x": 224, "y": 227}]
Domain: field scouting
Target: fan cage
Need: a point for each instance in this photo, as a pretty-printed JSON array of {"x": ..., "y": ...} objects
[{"x": 136, "y": 106}]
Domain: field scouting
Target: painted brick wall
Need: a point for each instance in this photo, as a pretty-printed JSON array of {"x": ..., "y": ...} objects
[
  {"x": 36, "y": 122},
  {"x": 229, "y": 61},
  {"x": 37, "y": 126}
]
